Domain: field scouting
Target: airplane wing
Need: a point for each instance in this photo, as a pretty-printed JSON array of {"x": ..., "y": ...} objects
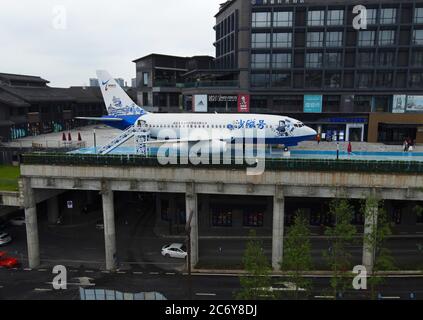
[{"x": 99, "y": 119}]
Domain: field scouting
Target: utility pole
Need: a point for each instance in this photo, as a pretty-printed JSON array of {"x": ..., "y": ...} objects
[{"x": 188, "y": 232}]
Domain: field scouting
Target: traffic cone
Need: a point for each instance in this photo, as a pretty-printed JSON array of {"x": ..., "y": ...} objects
[
  {"x": 79, "y": 136},
  {"x": 69, "y": 137},
  {"x": 63, "y": 137}
]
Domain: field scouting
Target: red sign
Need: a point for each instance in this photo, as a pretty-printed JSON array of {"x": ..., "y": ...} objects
[{"x": 244, "y": 103}]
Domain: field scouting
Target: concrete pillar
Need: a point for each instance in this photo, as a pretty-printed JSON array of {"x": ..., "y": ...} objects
[
  {"x": 278, "y": 227},
  {"x": 192, "y": 206},
  {"x": 370, "y": 225},
  {"x": 109, "y": 230},
  {"x": 53, "y": 210},
  {"x": 32, "y": 239}
]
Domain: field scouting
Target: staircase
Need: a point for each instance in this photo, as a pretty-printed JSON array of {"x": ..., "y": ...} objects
[{"x": 120, "y": 139}]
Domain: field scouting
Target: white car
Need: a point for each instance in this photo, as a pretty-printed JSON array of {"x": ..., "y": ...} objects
[
  {"x": 5, "y": 238},
  {"x": 18, "y": 221},
  {"x": 174, "y": 250}
]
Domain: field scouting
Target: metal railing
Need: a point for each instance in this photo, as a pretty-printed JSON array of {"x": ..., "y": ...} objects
[
  {"x": 197, "y": 84},
  {"x": 324, "y": 165}
]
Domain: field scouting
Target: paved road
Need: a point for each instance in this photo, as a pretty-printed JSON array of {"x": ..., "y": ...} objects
[
  {"x": 139, "y": 248},
  {"x": 36, "y": 285}
]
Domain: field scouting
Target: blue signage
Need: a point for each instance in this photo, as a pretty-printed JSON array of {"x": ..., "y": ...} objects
[{"x": 313, "y": 103}]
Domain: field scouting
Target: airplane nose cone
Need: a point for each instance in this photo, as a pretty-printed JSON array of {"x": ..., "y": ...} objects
[{"x": 312, "y": 132}]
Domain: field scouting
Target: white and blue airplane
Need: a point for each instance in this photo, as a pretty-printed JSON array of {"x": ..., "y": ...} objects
[{"x": 124, "y": 113}]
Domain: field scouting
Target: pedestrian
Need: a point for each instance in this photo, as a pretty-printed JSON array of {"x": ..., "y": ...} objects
[
  {"x": 318, "y": 138},
  {"x": 405, "y": 145},
  {"x": 349, "y": 148}
]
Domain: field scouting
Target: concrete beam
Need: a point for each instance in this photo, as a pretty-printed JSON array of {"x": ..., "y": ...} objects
[
  {"x": 370, "y": 226},
  {"x": 109, "y": 229},
  {"x": 191, "y": 203},
  {"x": 278, "y": 227},
  {"x": 31, "y": 223}
]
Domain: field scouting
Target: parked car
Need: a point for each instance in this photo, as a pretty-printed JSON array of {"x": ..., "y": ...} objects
[
  {"x": 8, "y": 262},
  {"x": 174, "y": 250},
  {"x": 5, "y": 238},
  {"x": 17, "y": 221}
]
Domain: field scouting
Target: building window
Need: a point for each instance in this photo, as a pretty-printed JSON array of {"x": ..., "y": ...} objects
[
  {"x": 252, "y": 218},
  {"x": 417, "y": 59},
  {"x": 366, "y": 59},
  {"x": 386, "y": 37},
  {"x": 260, "y": 40},
  {"x": 334, "y": 39},
  {"x": 262, "y": 19},
  {"x": 315, "y": 39},
  {"x": 418, "y": 37},
  {"x": 221, "y": 218},
  {"x": 371, "y": 16},
  {"x": 260, "y": 61},
  {"x": 333, "y": 59},
  {"x": 282, "y": 40},
  {"x": 386, "y": 58},
  {"x": 282, "y": 19},
  {"x": 281, "y": 80},
  {"x": 365, "y": 80},
  {"x": 145, "y": 79},
  {"x": 416, "y": 80},
  {"x": 384, "y": 79},
  {"x": 260, "y": 80},
  {"x": 313, "y": 79},
  {"x": 281, "y": 60},
  {"x": 316, "y": 18},
  {"x": 335, "y": 17},
  {"x": 418, "y": 15},
  {"x": 366, "y": 38},
  {"x": 388, "y": 16},
  {"x": 314, "y": 60},
  {"x": 333, "y": 79}
]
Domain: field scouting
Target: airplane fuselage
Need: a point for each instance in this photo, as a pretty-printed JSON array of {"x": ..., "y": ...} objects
[{"x": 275, "y": 129}]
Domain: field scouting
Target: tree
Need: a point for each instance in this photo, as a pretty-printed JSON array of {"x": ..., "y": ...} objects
[
  {"x": 297, "y": 253},
  {"x": 257, "y": 281},
  {"x": 340, "y": 236},
  {"x": 380, "y": 230}
]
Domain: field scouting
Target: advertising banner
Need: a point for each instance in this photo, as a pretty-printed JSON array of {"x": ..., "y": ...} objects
[
  {"x": 313, "y": 103},
  {"x": 414, "y": 104},
  {"x": 200, "y": 103},
  {"x": 399, "y": 103},
  {"x": 244, "y": 103}
]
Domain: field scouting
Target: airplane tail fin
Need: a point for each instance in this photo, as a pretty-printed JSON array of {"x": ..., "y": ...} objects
[{"x": 118, "y": 103}]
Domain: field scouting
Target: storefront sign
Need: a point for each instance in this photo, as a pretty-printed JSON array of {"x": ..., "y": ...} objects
[
  {"x": 414, "y": 104},
  {"x": 399, "y": 103},
  {"x": 244, "y": 103},
  {"x": 200, "y": 103},
  {"x": 313, "y": 103},
  {"x": 220, "y": 98}
]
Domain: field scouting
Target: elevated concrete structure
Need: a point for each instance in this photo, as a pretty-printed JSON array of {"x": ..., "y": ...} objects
[{"x": 194, "y": 181}]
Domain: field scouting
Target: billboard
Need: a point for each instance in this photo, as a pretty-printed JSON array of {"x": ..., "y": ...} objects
[
  {"x": 200, "y": 103},
  {"x": 244, "y": 103},
  {"x": 399, "y": 103},
  {"x": 414, "y": 104},
  {"x": 313, "y": 103}
]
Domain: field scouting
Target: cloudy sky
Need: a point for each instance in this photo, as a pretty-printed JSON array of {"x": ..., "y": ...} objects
[{"x": 66, "y": 41}]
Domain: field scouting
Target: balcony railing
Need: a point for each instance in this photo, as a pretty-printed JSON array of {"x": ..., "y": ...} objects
[
  {"x": 322, "y": 165},
  {"x": 198, "y": 84}
]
